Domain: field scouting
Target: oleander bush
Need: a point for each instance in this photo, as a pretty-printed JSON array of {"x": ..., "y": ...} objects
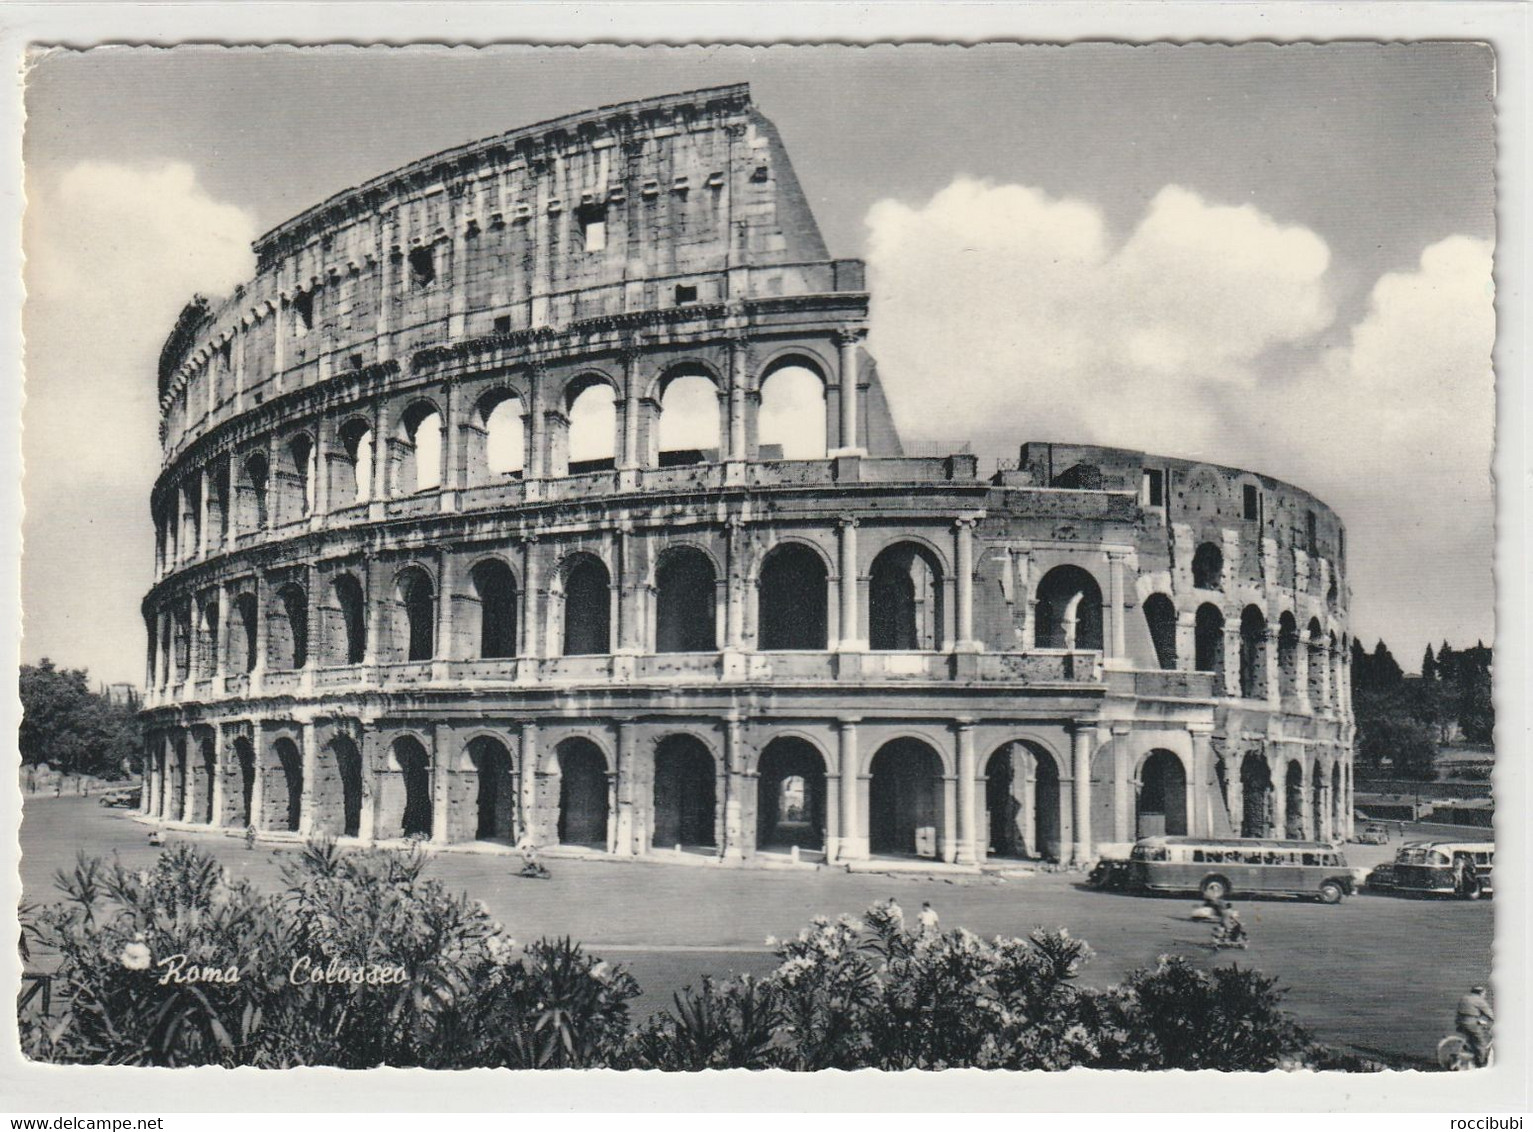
[{"x": 398, "y": 971}]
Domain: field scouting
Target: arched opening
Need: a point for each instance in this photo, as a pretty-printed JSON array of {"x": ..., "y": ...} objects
[
  {"x": 1208, "y": 637},
  {"x": 354, "y": 483},
  {"x": 905, "y": 599},
  {"x": 1256, "y": 790},
  {"x": 790, "y": 423},
  {"x": 411, "y": 796},
  {"x": 496, "y": 590},
  {"x": 288, "y": 802},
  {"x": 253, "y": 484},
  {"x": 1160, "y": 616},
  {"x": 1288, "y": 656},
  {"x": 1048, "y": 836},
  {"x": 1317, "y": 809},
  {"x": 207, "y": 637},
  {"x": 302, "y": 464},
  {"x": 245, "y": 756},
  {"x": 582, "y": 794},
  {"x": 587, "y": 607},
  {"x": 503, "y": 418},
  {"x": 791, "y": 599},
  {"x": 495, "y": 806},
  {"x": 684, "y": 793},
  {"x": 288, "y": 628},
  {"x": 685, "y": 607},
  {"x": 178, "y": 809},
  {"x": 1293, "y": 799},
  {"x": 182, "y": 627},
  {"x": 245, "y": 616},
  {"x": 351, "y": 641},
  {"x": 1208, "y": 567},
  {"x": 689, "y": 420},
  {"x": 414, "y": 615},
  {"x": 790, "y": 795},
  {"x": 219, "y": 502},
  {"x": 1316, "y": 674},
  {"x": 905, "y": 799},
  {"x": 1005, "y": 799},
  {"x": 348, "y": 772},
  {"x": 1253, "y": 654},
  {"x": 207, "y": 773},
  {"x": 1069, "y": 610},
  {"x": 1162, "y": 805},
  {"x": 592, "y": 409},
  {"x": 419, "y": 466}
]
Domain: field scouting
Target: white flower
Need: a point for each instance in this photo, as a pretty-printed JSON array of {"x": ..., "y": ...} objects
[
  {"x": 771, "y": 941},
  {"x": 136, "y": 957}
]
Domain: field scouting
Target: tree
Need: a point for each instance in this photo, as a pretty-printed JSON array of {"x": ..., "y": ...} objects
[
  {"x": 71, "y": 728},
  {"x": 1428, "y": 665}
]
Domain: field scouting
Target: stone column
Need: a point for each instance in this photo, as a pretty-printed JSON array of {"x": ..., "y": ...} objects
[
  {"x": 1080, "y": 750},
  {"x": 1279, "y": 778},
  {"x": 149, "y": 790},
  {"x": 1232, "y": 659},
  {"x": 846, "y": 342},
  {"x": 527, "y": 763},
  {"x": 1301, "y": 675},
  {"x": 1274, "y": 693},
  {"x": 1324, "y": 833},
  {"x": 441, "y": 782},
  {"x": 452, "y": 446},
  {"x": 529, "y": 627},
  {"x": 970, "y": 850},
  {"x": 734, "y": 632},
  {"x": 258, "y": 786},
  {"x": 221, "y": 647},
  {"x": 1125, "y": 788},
  {"x": 218, "y": 788},
  {"x": 848, "y": 587},
  {"x": 630, "y": 408},
  {"x": 258, "y": 673},
  {"x": 854, "y": 842},
  {"x": 204, "y": 489},
  {"x": 735, "y": 842},
  {"x": 537, "y": 453},
  {"x": 739, "y": 381},
  {"x": 378, "y": 491},
  {"x": 947, "y": 847},
  {"x": 1323, "y": 659},
  {"x": 445, "y": 646},
  {"x": 373, "y": 580},
  {"x": 965, "y": 569},
  {"x": 627, "y": 841},
  {"x": 1118, "y": 642},
  {"x": 310, "y": 772},
  {"x": 321, "y": 472}
]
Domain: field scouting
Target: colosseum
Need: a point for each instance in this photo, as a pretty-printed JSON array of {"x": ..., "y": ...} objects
[{"x": 544, "y": 489}]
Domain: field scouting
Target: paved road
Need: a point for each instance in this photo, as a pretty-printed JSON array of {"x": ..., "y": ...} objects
[{"x": 1376, "y": 973}]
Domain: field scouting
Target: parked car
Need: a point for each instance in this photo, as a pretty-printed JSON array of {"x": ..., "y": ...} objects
[
  {"x": 122, "y": 799},
  {"x": 1110, "y": 874},
  {"x": 1382, "y": 878},
  {"x": 1374, "y": 833}
]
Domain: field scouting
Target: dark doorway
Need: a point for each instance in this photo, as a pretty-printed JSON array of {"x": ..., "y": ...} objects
[
  {"x": 1208, "y": 567},
  {"x": 1047, "y": 836},
  {"x": 587, "y": 607},
  {"x": 1160, "y": 616},
  {"x": 496, "y": 590},
  {"x": 1293, "y": 808},
  {"x": 352, "y": 606},
  {"x": 1253, "y": 654},
  {"x": 905, "y": 600},
  {"x": 790, "y": 796},
  {"x": 348, "y": 765},
  {"x": 1208, "y": 631},
  {"x": 205, "y": 782},
  {"x": 904, "y": 799},
  {"x": 1002, "y": 804},
  {"x": 684, "y": 793},
  {"x": 792, "y": 600},
  {"x": 415, "y": 772},
  {"x": 416, "y": 617},
  {"x": 245, "y": 753},
  {"x": 497, "y": 790},
  {"x": 582, "y": 794},
  {"x": 1162, "y": 807},
  {"x": 1256, "y": 790},
  {"x": 684, "y": 602},
  {"x": 291, "y": 762},
  {"x": 1069, "y": 610}
]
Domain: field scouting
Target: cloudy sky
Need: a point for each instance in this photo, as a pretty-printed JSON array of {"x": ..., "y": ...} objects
[{"x": 1273, "y": 257}]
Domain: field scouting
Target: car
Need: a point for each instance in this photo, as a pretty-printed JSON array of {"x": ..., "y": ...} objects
[
  {"x": 122, "y": 799},
  {"x": 1374, "y": 833},
  {"x": 1110, "y": 874},
  {"x": 1382, "y": 878}
]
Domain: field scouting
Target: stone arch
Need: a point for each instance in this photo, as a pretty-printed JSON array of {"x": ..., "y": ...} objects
[
  {"x": 1069, "y": 610},
  {"x": 1160, "y": 618},
  {"x": 1208, "y": 567},
  {"x": 418, "y": 458},
  {"x": 1288, "y": 655},
  {"x": 905, "y": 802},
  {"x": 1318, "y": 815},
  {"x": 686, "y": 606},
  {"x": 1293, "y": 799},
  {"x": 495, "y": 798},
  {"x": 245, "y": 761},
  {"x": 353, "y": 481},
  {"x": 1253, "y": 653},
  {"x": 207, "y": 774},
  {"x": 1258, "y": 808},
  {"x": 207, "y": 635},
  {"x": 284, "y": 788},
  {"x": 414, "y": 620},
  {"x": 407, "y": 802},
  {"x": 905, "y": 598},
  {"x": 685, "y": 800},
  {"x": 254, "y": 484},
  {"x": 1208, "y": 637},
  {"x": 690, "y": 425},
  {"x": 348, "y": 643},
  {"x": 590, "y": 407},
  {"x": 243, "y": 625},
  {"x": 300, "y": 474},
  {"x": 287, "y": 628},
  {"x": 790, "y": 794},
  {"x": 1161, "y": 799},
  {"x": 793, "y": 603},
  {"x": 584, "y": 805},
  {"x": 791, "y": 416},
  {"x": 495, "y": 590},
  {"x": 498, "y": 443},
  {"x": 585, "y": 593},
  {"x": 1316, "y": 675},
  {"x": 340, "y": 789}
]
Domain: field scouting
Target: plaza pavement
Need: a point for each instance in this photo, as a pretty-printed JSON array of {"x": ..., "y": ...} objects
[{"x": 1379, "y": 974}]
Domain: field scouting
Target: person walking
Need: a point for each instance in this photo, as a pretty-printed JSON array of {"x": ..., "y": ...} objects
[{"x": 927, "y": 919}]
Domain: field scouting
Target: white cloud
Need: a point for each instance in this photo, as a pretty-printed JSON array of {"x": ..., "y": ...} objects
[{"x": 1199, "y": 335}]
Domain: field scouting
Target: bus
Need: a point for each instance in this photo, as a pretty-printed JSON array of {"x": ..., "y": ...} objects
[
  {"x": 1220, "y": 867},
  {"x": 1457, "y": 868}
]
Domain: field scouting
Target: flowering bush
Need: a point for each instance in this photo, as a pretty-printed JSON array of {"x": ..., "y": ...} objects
[{"x": 358, "y": 962}]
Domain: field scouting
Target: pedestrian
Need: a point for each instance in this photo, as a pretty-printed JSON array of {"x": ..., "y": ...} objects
[
  {"x": 1474, "y": 1021},
  {"x": 896, "y": 913},
  {"x": 927, "y": 919}
]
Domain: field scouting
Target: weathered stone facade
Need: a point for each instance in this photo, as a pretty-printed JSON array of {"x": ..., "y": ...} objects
[{"x": 395, "y": 596}]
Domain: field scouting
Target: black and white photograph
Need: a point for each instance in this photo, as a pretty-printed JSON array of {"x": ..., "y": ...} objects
[{"x": 799, "y": 557}]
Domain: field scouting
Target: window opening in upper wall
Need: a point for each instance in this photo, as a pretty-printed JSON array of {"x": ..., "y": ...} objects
[
  {"x": 1154, "y": 494},
  {"x": 422, "y": 266},
  {"x": 685, "y": 293},
  {"x": 1311, "y": 533},
  {"x": 1252, "y": 500},
  {"x": 593, "y": 226},
  {"x": 303, "y": 307}
]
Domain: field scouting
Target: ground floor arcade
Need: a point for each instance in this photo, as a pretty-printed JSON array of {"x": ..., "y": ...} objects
[{"x": 961, "y": 791}]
